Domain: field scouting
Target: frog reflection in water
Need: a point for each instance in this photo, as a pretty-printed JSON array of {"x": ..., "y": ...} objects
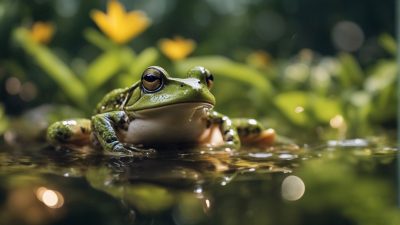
[{"x": 160, "y": 110}]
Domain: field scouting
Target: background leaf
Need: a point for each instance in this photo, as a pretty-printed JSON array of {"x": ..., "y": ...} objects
[
  {"x": 53, "y": 66},
  {"x": 388, "y": 43},
  {"x": 288, "y": 104},
  {"x": 98, "y": 39},
  {"x": 222, "y": 66},
  {"x": 148, "y": 57},
  {"x": 107, "y": 65},
  {"x": 350, "y": 73}
]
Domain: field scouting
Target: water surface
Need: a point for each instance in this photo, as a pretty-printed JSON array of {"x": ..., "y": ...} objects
[{"x": 339, "y": 182}]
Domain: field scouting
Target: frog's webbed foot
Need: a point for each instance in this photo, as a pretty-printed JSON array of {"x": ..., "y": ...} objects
[
  {"x": 125, "y": 149},
  {"x": 263, "y": 138},
  {"x": 251, "y": 132}
]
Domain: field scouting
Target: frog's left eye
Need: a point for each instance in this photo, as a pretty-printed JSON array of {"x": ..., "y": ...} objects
[{"x": 152, "y": 80}]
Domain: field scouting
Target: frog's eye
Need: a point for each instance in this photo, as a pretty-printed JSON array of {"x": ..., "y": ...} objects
[
  {"x": 152, "y": 80},
  {"x": 209, "y": 80},
  {"x": 203, "y": 75}
]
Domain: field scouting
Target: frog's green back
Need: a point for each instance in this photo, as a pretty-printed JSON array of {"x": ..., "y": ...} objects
[{"x": 114, "y": 100}]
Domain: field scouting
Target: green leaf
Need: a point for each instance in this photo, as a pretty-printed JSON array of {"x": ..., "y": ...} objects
[
  {"x": 357, "y": 112},
  {"x": 350, "y": 73},
  {"x": 146, "y": 58},
  {"x": 293, "y": 105},
  {"x": 3, "y": 120},
  {"x": 222, "y": 66},
  {"x": 107, "y": 65},
  {"x": 125, "y": 79},
  {"x": 98, "y": 39},
  {"x": 381, "y": 84},
  {"x": 388, "y": 43},
  {"x": 53, "y": 66},
  {"x": 383, "y": 75},
  {"x": 324, "y": 109}
]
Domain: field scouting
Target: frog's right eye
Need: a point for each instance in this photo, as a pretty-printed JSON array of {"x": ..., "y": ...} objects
[{"x": 152, "y": 80}]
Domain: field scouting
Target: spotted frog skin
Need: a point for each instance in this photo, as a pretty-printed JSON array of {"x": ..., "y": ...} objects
[{"x": 160, "y": 110}]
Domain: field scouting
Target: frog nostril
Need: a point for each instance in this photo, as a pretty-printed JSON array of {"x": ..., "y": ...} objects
[{"x": 182, "y": 85}]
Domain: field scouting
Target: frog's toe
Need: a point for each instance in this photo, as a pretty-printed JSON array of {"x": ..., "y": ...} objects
[
  {"x": 119, "y": 147},
  {"x": 141, "y": 150},
  {"x": 129, "y": 150},
  {"x": 265, "y": 137},
  {"x": 74, "y": 132}
]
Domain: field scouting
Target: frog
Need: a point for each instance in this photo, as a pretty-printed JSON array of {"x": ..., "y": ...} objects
[{"x": 160, "y": 110}]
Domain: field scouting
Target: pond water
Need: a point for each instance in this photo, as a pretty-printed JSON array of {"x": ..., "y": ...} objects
[{"x": 345, "y": 182}]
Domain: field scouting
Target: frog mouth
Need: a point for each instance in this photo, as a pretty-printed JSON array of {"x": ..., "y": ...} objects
[{"x": 176, "y": 109}]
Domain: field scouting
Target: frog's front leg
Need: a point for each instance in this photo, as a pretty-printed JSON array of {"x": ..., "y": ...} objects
[
  {"x": 105, "y": 128},
  {"x": 228, "y": 131}
]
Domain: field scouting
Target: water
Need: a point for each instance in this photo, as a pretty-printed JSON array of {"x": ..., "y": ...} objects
[{"x": 347, "y": 182}]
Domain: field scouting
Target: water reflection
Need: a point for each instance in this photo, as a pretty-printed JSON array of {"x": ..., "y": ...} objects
[
  {"x": 190, "y": 210},
  {"x": 293, "y": 188},
  {"x": 174, "y": 187},
  {"x": 52, "y": 199}
]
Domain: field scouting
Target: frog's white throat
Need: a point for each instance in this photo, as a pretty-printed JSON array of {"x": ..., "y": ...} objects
[{"x": 176, "y": 123}]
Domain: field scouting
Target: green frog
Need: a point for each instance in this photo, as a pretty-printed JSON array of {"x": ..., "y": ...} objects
[{"x": 160, "y": 110}]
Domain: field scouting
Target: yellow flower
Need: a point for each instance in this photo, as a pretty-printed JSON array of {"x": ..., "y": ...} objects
[
  {"x": 42, "y": 32},
  {"x": 177, "y": 48},
  {"x": 119, "y": 25}
]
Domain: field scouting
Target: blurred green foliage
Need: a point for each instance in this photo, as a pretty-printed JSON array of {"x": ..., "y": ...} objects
[{"x": 265, "y": 67}]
